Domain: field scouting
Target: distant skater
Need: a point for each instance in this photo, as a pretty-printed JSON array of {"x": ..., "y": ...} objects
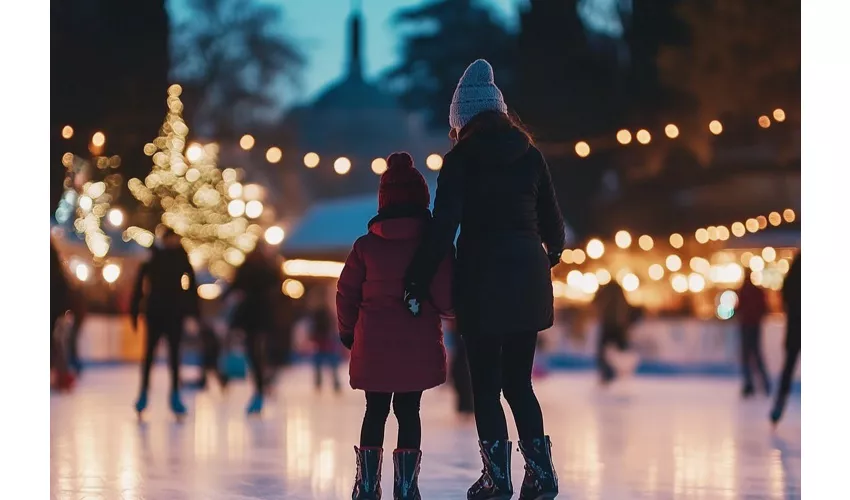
[
  {"x": 325, "y": 339},
  {"x": 171, "y": 298},
  {"x": 752, "y": 308},
  {"x": 793, "y": 339}
]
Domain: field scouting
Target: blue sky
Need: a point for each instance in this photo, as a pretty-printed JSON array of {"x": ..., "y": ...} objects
[{"x": 319, "y": 26}]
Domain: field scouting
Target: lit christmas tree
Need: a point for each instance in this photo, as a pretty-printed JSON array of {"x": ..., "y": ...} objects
[{"x": 199, "y": 202}]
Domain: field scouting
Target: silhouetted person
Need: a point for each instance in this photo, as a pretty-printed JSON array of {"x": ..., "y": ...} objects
[
  {"x": 791, "y": 299},
  {"x": 210, "y": 352},
  {"x": 325, "y": 337},
  {"x": 257, "y": 281},
  {"x": 752, "y": 308},
  {"x": 60, "y": 302},
  {"x": 459, "y": 372},
  {"x": 615, "y": 315},
  {"x": 171, "y": 298}
]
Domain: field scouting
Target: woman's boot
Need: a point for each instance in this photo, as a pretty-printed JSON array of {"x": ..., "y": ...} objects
[
  {"x": 367, "y": 483},
  {"x": 541, "y": 481},
  {"x": 406, "y": 477},
  {"x": 495, "y": 480}
]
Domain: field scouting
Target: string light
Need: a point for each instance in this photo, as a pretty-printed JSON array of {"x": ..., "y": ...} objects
[
  {"x": 434, "y": 162},
  {"x": 762, "y": 220},
  {"x": 696, "y": 283},
  {"x": 779, "y": 115},
  {"x": 643, "y": 136},
  {"x": 630, "y": 282},
  {"x": 111, "y": 272},
  {"x": 67, "y": 132},
  {"x": 673, "y": 262},
  {"x": 656, "y": 272},
  {"x": 679, "y": 283},
  {"x": 379, "y": 165},
  {"x": 701, "y": 235},
  {"x": 774, "y": 218},
  {"x": 578, "y": 256},
  {"x": 254, "y": 209},
  {"x": 595, "y": 248},
  {"x": 342, "y": 165},
  {"x": 738, "y": 229},
  {"x": 764, "y": 121},
  {"x": 624, "y": 137},
  {"x": 293, "y": 289},
  {"x": 274, "y": 154},
  {"x": 98, "y": 139},
  {"x": 645, "y": 242},
  {"x": 676, "y": 240},
  {"x": 247, "y": 142},
  {"x": 789, "y": 215},
  {"x": 752, "y": 225},
  {"x": 715, "y": 127},
  {"x": 274, "y": 235},
  {"x": 623, "y": 239},
  {"x": 115, "y": 217},
  {"x": 582, "y": 149},
  {"x": 603, "y": 276},
  {"x": 672, "y": 131},
  {"x": 768, "y": 254},
  {"x": 311, "y": 160}
]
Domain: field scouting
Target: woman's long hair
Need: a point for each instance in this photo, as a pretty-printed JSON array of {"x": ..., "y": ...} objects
[{"x": 489, "y": 120}]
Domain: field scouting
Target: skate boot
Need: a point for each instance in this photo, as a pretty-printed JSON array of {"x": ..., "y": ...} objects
[
  {"x": 142, "y": 402},
  {"x": 367, "y": 483},
  {"x": 65, "y": 382},
  {"x": 177, "y": 405},
  {"x": 406, "y": 474},
  {"x": 495, "y": 480},
  {"x": 256, "y": 404},
  {"x": 540, "y": 481}
]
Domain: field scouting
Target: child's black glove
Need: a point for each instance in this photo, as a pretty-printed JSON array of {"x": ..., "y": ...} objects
[{"x": 347, "y": 340}]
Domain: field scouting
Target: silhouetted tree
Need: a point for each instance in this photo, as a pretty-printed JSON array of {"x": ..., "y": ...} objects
[
  {"x": 743, "y": 60},
  {"x": 234, "y": 63},
  {"x": 439, "y": 41}
]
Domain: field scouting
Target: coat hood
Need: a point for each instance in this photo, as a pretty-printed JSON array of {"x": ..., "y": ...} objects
[{"x": 493, "y": 144}]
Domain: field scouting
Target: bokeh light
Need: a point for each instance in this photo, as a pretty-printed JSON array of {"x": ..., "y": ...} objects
[
  {"x": 209, "y": 291},
  {"x": 762, "y": 220},
  {"x": 293, "y": 288},
  {"x": 311, "y": 160},
  {"x": 696, "y": 282},
  {"x": 82, "y": 272},
  {"x": 645, "y": 242},
  {"x": 342, "y": 165},
  {"x": 722, "y": 233},
  {"x": 67, "y": 132},
  {"x": 236, "y": 208},
  {"x": 111, "y": 272},
  {"x": 274, "y": 154},
  {"x": 643, "y": 136},
  {"x": 589, "y": 283},
  {"x": 246, "y": 142},
  {"x": 379, "y": 165},
  {"x": 673, "y": 262},
  {"x": 623, "y": 239},
  {"x": 254, "y": 209},
  {"x": 764, "y": 121},
  {"x": 98, "y": 139},
  {"x": 779, "y": 115},
  {"x": 578, "y": 256},
  {"x": 630, "y": 282},
  {"x": 789, "y": 215},
  {"x": 701, "y": 235},
  {"x": 235, "y": 190},
  {"x": 757, "y": 263},
  {"x": 738, "y": 229},
  {"x": 774, "y": 218},
  {"x": 715, "y": 127},
  {"x": 115, "y": 217},
  {"x": 274, "y": 235},
  {"x": 768, "y": 254},
  {"x": 434, "y": 162},
  {"x": 624, "y": 136},
  {"x": 672, "y": 131},
  {"x": 603, "y": 276},
  {"x": 656, "y": 272},
  {"x": 700, "y": 265},
  {"x": 679, "y": 283},
  {"x": 676, "y": 240},
  {"x": 582, "y": 149},
  {"x": 194, "y": 152},
  {"x": 752, "y": 225},
  {"x": 595, "y": 248}
]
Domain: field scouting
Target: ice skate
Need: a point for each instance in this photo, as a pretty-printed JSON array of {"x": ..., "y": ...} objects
[
  {"x": 540, "y": 481},
  {"x": 406, "y": 474},
  {"x": 367, "y": 483},
  {"x": 495, "y": 480},
  {"x": 177, "y": 406},
  {"x": 255, "y": 406},
  {"x": 141, "y": 403}
]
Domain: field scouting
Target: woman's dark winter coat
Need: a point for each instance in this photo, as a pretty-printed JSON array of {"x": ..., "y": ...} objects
[
  {"x": 167, "y": 297},
  {"x": 259, "y": 280},
  {"x": 497, "y": 187},
  {"x": 393, "y": 351}
]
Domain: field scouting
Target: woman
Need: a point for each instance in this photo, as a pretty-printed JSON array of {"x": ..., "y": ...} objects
[{"x": 496, "y": 186}]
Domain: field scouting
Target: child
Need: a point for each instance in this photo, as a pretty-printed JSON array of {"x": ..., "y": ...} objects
[
  {"x": 394, "y": 355},
  {"x": 322, "y": 333}
]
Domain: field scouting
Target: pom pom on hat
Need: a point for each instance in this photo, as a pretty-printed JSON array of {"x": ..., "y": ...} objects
[{"x": 402, "y": 184}]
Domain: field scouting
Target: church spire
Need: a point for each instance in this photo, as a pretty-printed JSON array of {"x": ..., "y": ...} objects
[{"x": 355, "y": 63}]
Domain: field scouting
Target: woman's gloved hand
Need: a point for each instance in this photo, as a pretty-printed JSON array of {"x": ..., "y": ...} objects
[{"x": 554, "y": 258}]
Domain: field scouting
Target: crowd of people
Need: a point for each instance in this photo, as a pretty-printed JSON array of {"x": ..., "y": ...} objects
[{"x": 410, "y": 285}]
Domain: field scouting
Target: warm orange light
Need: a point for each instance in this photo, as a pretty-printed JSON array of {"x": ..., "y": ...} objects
[
  {"x": 701, "y": 235},
  {"x": 764, "y": 121},
  {"x": 311, "y": 160},
  {"x": 789, "y": 215},
  {"x": 379, "y": 165},
  {"x": 98, "y": 139},
  {"x": 774, "y": 218},
  {"x": 643, "y": 136},
  {"x": 624, "y": 136},
  {"x": 779, "y": 115},
  {"x": 672, "y": 131},
  {"x": 676, "y": 240},
  {"x": 342, "y": 165},
  {"x": 246, "y": 142},
  {"x": 762, "y": 220},
  {"x": 434, "y": 161},
  {"x": 274, "y": 154},
  {"x": 738, "y": 229},
  {"x": 67, "y": 132},
  {"x": 645, "y": 242},
  {"x": 582, "y": 149},
  {"x": 715, "y": 127}
]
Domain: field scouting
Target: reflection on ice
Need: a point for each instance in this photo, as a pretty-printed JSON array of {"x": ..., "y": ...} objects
[{"x": 670, "y": 438}]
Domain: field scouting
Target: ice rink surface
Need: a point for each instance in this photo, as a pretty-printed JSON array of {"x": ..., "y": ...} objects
[{"x": 649, "y": 438}]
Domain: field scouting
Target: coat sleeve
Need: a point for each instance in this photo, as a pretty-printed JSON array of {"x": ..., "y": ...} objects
[
  {"x": 349, "y": 291},
  {"x": 441, "y": 287},
  {"x": 550, "y": 219},
  {"x": 138, "y": 289},
  {"x": 441, "y": 231}
]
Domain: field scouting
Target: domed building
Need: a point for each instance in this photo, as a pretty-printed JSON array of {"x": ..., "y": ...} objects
[{"x": 357, "y": 120}]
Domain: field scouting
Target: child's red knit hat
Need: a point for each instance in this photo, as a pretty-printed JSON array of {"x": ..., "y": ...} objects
[{"x": 402, "y": 184}]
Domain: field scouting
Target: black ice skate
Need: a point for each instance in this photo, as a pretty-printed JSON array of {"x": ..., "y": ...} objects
[
  {"x": 495, "y": 480},
  {"x": 540, "y": 481}
]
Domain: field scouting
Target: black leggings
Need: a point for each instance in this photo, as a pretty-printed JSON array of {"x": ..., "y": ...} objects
[
  {"x": 503, "y": 364},
  {"x": 255, "y": 340},
  {"x": 406, "y": 409},
  {"x": 171, "y": 329}
]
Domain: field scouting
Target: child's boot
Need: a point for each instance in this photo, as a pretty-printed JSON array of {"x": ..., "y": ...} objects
[
  {"x": 367, "y": 483},
  {"x": 406, "y": 474}
]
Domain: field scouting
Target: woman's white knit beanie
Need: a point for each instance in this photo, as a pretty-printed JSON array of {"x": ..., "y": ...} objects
[{"x": 475, "y": 92}]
